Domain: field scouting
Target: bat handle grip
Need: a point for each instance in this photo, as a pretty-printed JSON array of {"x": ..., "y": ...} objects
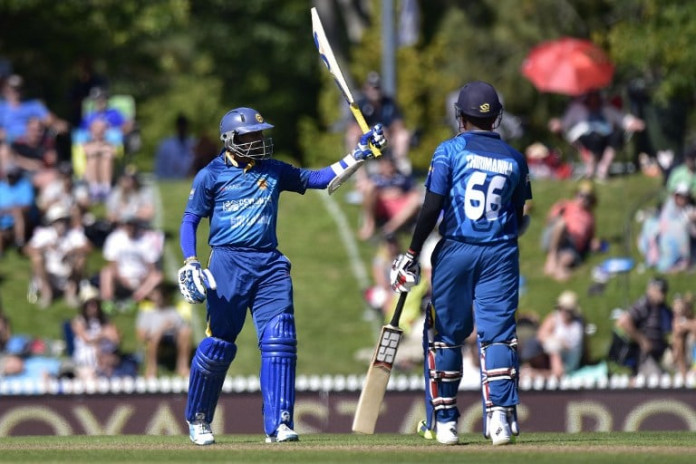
[{"x": 399, "y": 308}]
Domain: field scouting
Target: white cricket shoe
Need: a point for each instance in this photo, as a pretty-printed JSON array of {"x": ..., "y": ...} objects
[
  {"x": 200, "y": 433},
  {"x": 283, "y": 434},
  {"x": 446, "y": 433},
  {"x": 498, "y": 427}
]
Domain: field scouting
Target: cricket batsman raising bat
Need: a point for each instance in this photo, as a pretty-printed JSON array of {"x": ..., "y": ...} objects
[{"x": 329, "y": 59}]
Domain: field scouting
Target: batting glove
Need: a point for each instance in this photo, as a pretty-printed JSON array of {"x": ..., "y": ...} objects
[
  {"x": 405, "y": 272},
  {"x": 374, "y": 138},
  {"x": 195, "y": 281}
]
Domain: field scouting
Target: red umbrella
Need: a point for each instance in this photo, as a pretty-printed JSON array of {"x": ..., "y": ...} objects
[{"x": 568, "y": 66}]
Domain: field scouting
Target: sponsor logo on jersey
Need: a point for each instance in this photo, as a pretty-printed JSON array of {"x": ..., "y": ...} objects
[
  {"x": 262, "y": 183},
  {"x": 236, "y": 205}
]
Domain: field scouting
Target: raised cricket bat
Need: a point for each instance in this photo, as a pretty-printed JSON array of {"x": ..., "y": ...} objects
[
  {"x": 329, "y": 59},
  {"x": 378, "y": 374}
]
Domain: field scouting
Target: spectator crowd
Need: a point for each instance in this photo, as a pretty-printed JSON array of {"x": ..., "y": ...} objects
[{"x": 58, "y": 208}]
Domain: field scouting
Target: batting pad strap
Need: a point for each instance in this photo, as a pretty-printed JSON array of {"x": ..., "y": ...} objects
[{"x": 442, "y": 403}]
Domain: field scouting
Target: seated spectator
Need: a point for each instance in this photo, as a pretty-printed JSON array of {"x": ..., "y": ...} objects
[
  {"x": 646, "y": 326},
  {"x": 96, "y": 339},
  {"x": 667, "y": 237},
  {"x": 16, "y": 203},
  {"x": 129, "y": 198},
  {"x": 684, "y": 334},
  {"x": 35, "y": 153},
  {"x": 685, "y": 173},
  {"x": 175, "y": 154},
  {"x": 113, "y": 117},
  {"x": 390, "y": 200},
  {"x": 10, "y": 363},
  {"x": 569, "y": 234},
  {"x": 133, "y": 256},
  {"x": 380, "y": 108},
  {"x": 159, "y": 323},
  {"x": 16, "y": 112},
  {"x": 545, "y": 163},
  {"x": 63, "y": 190},
  {"x": 100, "y": 155},
  {"x": 58, "y": 254},
  {"x": 596, "y": 128},
  {"x": 561, "y": 335}
]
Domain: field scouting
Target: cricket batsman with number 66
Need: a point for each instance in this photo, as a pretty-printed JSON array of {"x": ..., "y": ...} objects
[
  {"x": 238, "y": 192},
  {"x": 480, "y": 185}
]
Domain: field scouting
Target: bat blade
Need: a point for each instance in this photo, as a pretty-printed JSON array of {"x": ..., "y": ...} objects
[
  {"x": 329, "y": 59},
  {"x": 376, "y": 380}
]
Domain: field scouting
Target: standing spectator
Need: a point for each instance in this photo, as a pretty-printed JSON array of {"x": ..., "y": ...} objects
[
  {"x": 130, "y": 197},
  {"x": 647, "y": 324},
  {"x": 569, "y": 234},
  {"x": 100, "y": 156},
  {"x": 561, "y": 335},
  {"x": 479, "y": 184},
  {"x": 685, "y": 173},
  {"x": 684, "y": 333},
  {"x": 238, "y": 192},
  {"x": 159, "y": 323},
  {"x": 379, "y": 108},
  {"x": 175, "y": 154},
  {"x": 15, "y": 112},
  {"x": 96, "y": 339},
  {"x": 16, "y": 202},
  {"x": 133, "y": 255},
  {"x": 86, "y": 78},
  {"x": 58, "y": 254},
  {"x": 596, "y": 128}
]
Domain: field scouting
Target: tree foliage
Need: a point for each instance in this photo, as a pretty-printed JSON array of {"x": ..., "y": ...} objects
[{"x": 204, "y": 57}]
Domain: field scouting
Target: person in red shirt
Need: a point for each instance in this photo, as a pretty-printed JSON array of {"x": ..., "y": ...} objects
[{"x": 570, "y": 232}]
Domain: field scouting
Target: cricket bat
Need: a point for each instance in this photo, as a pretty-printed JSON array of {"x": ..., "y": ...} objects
[
  {"x": 329, "y": 59},
  {"x": 378, "y": 373}
]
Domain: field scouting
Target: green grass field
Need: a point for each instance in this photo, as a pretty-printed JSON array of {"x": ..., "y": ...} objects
[
  {"x": 330, "y": 310},
  {"x": 537, "y": 448}
]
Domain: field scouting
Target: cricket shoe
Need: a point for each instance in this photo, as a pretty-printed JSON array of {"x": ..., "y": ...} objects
[
  {"x": 446, "y": 433},
  {"x": 499, "y": 430},
  {"x": 283, "y": 434},
  {"x": 200, "y": 433},
  {"x": 424, "y": 431}
]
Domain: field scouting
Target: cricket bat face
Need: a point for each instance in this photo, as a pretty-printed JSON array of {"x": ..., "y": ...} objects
[{"x": 376, "y": 380}]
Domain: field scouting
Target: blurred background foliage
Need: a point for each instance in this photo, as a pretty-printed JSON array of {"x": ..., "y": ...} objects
[{"x": 204, "y": 57}]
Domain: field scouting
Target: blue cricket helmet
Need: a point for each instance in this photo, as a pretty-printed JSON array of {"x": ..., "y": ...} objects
[{"x": 241, "y": 121}]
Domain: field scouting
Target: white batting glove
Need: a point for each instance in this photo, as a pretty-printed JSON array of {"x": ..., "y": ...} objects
[
  {"x": 405, "y": 272},
  {"x": 374, "y": 138},
  {"x": 195, "y": 281}
]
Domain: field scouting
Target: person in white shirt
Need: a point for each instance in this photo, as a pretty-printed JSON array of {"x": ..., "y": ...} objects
[
  {"x": 561, "y": 335},
  {"x": 58, "y": 255},
  {"x": 133, "y": 254}
]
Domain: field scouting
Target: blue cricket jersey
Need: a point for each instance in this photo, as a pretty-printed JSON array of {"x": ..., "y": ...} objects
[
  {"x": 484, "y": 182},
  {"x": 242, "y": 205}
]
